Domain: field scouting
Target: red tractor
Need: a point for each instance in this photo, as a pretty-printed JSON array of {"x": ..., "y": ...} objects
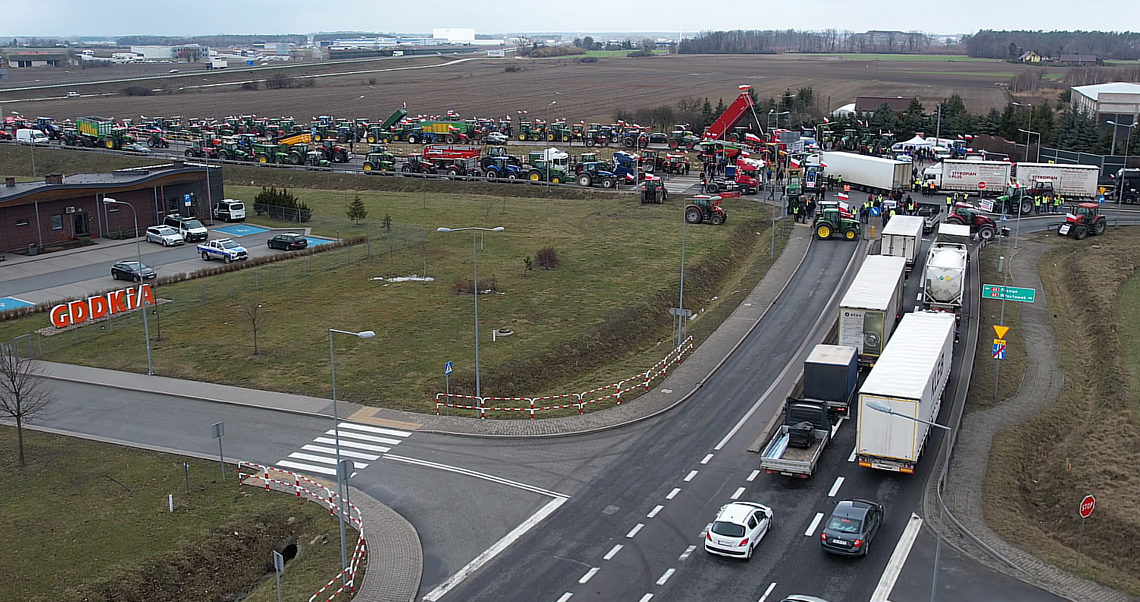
[
  {"x": 1082, "y": 220},
  {"x": 967, "y": 214},
  {"x": 704, "y": 208}
]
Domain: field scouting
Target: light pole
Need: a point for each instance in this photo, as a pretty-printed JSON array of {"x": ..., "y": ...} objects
[
  {"x": 142, "y": 302},
  {"x": 1026, "y": 130},
  {"x": 1038, "y": 134},
  {"x": 367, "y": 334},
  {"x": 475, "y": 269},
  {"x": 1123, "y": 170},
  {"x": 879, "y": 407}
]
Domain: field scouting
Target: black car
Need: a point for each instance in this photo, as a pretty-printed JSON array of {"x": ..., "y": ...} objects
[
  {"x": 851, "y": 527},
  {"x": 288, "y": 242},
  {"x": 132, "y": 270}
]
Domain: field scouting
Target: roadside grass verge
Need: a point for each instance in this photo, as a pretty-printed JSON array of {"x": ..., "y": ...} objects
[
  {"x": 1013, "y": 367},
  {"x": 89, "y": 521},
  {"x": 1085, "y": 444}
]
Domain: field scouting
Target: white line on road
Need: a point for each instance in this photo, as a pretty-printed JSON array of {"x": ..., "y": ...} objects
[
  {"x": 384, "y": 440},
  {"x": 343, "y": 452},
  {"x": 835, "y": 428},
  {"x": 374, "y": 429},
  {"x": 654, "y": 511},
  {"x": 706, "y": 459},
  {"x": 646, "y": 598},
  {"x": 739, "y": 492},
  {"x": 666, "y": 576},
  {"x": 634, "y": 530},
  {"x": 476, "y": 474},
  {"x": 306, "y": 467},
  {"x": 613, "y": 552},
  {"x": 589, "y": 574},
  {"x": 690, "y": 476},
  {"x": 688, "y": 551},
  {"x": 851, "y": 458},
  {"x": 353, "y": 444},
  {"x": 898, "y": 559},
  {"x": 673, "y": 494},
  {"x": 768, "y": 591},
  {"x": 919, "y": 297},
  {"x": 814, "y": 523},
  {"x": 565, "y": 597},
  {"x": 705, "y": 531},
  {"x": 752, "y": 476},
  {"x": 835, "y": 487},
  {"x": 323, "y": 460},
  {"x": 495, "y": 550}
]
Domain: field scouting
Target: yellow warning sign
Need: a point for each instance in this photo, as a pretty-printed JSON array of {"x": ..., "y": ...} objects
[
  {"x": 1001, "y": 330},
  {"x": 999, "y": 342}
]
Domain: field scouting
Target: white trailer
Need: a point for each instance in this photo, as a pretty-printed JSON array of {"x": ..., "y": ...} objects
[
  {"x": 870, "y": 174},
  {"x": 871, "y": 306},
  {"x": 1075, "y": 181},
  {"x": 902, "y": 237},
  {"x": 944, "y": 279},
  {"x": 909, "y": 378},
  {"x": 984, "y": 178},
  {"x": 959, "y": 233}
]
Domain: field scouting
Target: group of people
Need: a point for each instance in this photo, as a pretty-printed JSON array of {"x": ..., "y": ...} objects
[{"x": 887, "y": 207}]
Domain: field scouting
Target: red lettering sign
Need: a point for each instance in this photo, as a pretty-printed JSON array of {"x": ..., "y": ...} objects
[{"x": 94, "y": 308}]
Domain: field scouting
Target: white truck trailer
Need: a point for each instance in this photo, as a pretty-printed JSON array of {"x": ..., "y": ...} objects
[
  {"x": 909, "y": 379},
  {"x": 984, "y": 178},
  {"x": 871, "y": 306},
  {"x": 944, "y": 278},
  {"x": 869, "y": 174},
  {"x": 1072, "y": 181},
  {"x": 902, "y": 237}
]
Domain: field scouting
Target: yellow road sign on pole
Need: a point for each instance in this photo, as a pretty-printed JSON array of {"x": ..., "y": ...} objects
[{"x": 1001, "y": 330}]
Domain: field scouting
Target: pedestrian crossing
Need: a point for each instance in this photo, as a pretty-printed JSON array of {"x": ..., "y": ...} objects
[{"x": 361, "y": 443}]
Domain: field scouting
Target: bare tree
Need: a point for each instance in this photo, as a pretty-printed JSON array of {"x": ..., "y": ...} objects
[
  {"x": 257, "y": 317},
  {"x": 23, "y": 394}
]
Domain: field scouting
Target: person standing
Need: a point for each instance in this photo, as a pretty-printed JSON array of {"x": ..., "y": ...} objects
[{"x": 704, "y": 183}]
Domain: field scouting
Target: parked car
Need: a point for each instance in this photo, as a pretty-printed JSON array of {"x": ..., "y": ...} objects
[
  {"x": 852, "y": 526},
  {"x": 164, "y": 235},
  {"x": 137, "y": 148},
  {"x": 174, "y": 71},
  {"x": 191, "y": 229},
  {"x": 230, "y": 210},
  {"x": 495, "y": 138},
  {"x": 738, "y": 527},
  {"x": 288, "y": 242},
  {"x": 73, "y": 94},
  {"x": 132, "y": 270}
]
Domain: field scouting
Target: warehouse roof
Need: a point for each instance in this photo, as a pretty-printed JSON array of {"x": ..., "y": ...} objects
[{"x": 1112, "y": 88}]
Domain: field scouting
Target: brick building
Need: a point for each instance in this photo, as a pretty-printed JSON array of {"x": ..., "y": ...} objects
[{"x": 62, "y": 208}]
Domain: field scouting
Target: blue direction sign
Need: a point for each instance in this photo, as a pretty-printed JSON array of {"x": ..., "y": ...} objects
[
  {"x": 1008, "y": 293},
  {"x": 999, "y": 349},
  {"x": 447, "y": 368}
]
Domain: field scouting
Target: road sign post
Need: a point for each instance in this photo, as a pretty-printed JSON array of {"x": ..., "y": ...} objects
[
  {"x": 278, "y": 568},
  {"x": 999, "y": 351},
  {"x": 1087, "y": 506},
  {"x": 219, "y": 430},
  {"x": 447, "y": 370}
]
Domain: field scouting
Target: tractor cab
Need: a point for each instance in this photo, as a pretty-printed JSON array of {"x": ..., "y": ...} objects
[
  {"x": 705, "y": 208},
  {"x": 969, "y": 215},
  {"x": 1082, "y": 220},
  {"x": 831, "y": 222},
  {"x": 653, "y": 190}
]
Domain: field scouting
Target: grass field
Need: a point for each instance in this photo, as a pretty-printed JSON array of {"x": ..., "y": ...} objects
[
  {"x": 1013, "y": 367},
  {"x": 940, "y": 58},
  {"x": 621, "y": 53},
  {"x": 89, "y": 521},
  {"x": 1086, "y": 443}
]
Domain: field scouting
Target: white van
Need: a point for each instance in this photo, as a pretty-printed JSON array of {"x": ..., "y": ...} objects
[
  {"x": 229, "y": 210},
  {"x": 30, "y": 136}
]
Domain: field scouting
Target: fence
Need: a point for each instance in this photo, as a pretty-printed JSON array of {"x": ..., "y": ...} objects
[
  {"x": 275, "y": 479},
  {"x": 579, "y": 401},
  {"x": 1108, "y": 164}
]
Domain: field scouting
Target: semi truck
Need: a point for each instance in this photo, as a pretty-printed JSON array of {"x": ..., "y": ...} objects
[
  {"x": 1072, "y": 181},
  {"x": 866, "y": 173},
  {"x": 984, "y": 178},
  {"x": 1127, "y": 186},
  {"x": 904, "y": 386},
  {"x": 944, "y": 279},
  {"x": 871, "y": 306},
  {"x": 795, "y": 448},
  {"x": 902, "y": 237}
]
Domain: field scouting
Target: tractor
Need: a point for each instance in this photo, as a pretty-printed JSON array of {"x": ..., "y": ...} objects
[
  {"x": 157, "y": 140},
  {"x": 705, "y": 208},
  {"x": 1082, "y": 220},
  {"x": 965, "y": 213},
  {"x": 379, "y": 159},
  {"x": 683, "y": 138},
  {"x": 331, "y": 151},
  {"x": 595, "y": 173},
  {"x": 1021, "y": 199},
  {"x": 653, "y": 191},
  {"x": 548, "y": 166},
  {"x": 271, "y": 153},
  {"x": 676, "y": 163},
  {"x": 502, "y": 166},
  {"x": 532, "y": 131},
  {"x": 199, "y": 149},
  {"x": 417, "y": 164},
  {"x": 598, "y": 135},
  {"x": 315, "y": 159},
  {"x": 232, "y": 151},
  {"x": 831, "y": 223},
  {"x": 651, "y": 161},
  {"x": 559, "y": 132}
]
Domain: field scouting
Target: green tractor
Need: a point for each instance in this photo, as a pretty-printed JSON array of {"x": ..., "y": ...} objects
[
  {"x": 683, "y": 138},
  {"x": 831, "y": 223},
  {"x": 271, "y": 153},
  {"x": 548, "y": 165},
  {"x": 232, "y": 151},
  {"x": 559, "y": 132},
  {"x": 532, "y": 131},
  {"x": 379, "y": 159},
  {"x": 705, "y": 208}
]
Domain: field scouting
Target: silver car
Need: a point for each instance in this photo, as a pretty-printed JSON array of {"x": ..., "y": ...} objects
[{"x": 164, "y": 235}]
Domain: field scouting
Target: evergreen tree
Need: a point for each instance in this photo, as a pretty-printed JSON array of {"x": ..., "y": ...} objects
[
  {"x": 719, "y": 107},
  {"x": 707, "y": 111},
  {"x": 356, "y": 210}
]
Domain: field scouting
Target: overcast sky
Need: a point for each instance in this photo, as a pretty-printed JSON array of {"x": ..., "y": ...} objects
[{"x": 165, "y": 17}]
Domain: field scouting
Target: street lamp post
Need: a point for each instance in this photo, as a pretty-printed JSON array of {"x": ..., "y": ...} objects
[
  {"x": 1037, "y": 156},
  {"x": 367, "y": 334},
  {"x": 1026, "y": 130},
  {"x": 142, "y": 302},
  {"x": 1127, "y": 139},
  {"x": 880, "y": 407},
  {"x": 475, "y": 268}
]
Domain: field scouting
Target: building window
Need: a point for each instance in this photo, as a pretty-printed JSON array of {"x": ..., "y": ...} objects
[
  {"x": 21, "y": 222},
  {"x": 57, "y": 222}
]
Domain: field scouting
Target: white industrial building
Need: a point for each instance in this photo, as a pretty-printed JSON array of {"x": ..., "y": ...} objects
[
  {"x": 1117, "y": 101},
  {"x": 166, "y": 53},
  {"x": 454, "y": 35}
]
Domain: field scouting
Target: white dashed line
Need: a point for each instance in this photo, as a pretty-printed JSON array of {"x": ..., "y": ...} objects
[
  {"x": 919, "y": 297},
  {"x": 814, "y": 523},
  {"x": 690, "y": 476},
  {"x": 688, "y": 551},
  {"x": 565, "y": 597},
  {"x": 654, "y": 511},
  {"x": 835, "y": 487},
  {"x": 851, "y": 458},
  {"x": 768, "y": 592},
  {"x": 666, "y": 576},
  {"x": 673, "y": 494},
  {"x": 705, "y": 531},
  {"x": 589, "y": 574},
  {"x": 706, "y": 459},
  {"x": 646, "y": 598},
  {"x": 613, "y": 552},
  {"x": 637, "y": 528},
  {"x": 835, "y": 428},
  {"x": 739, "y": 492},
  {"x": 752, "y": 476}
]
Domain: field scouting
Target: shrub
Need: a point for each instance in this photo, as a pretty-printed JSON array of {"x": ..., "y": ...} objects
[
  {"x": 138, "y": 91},
  {"x": 547, "y": 258},
  {"x": 250, "y": 86},
  {"x": 511, "y": 69},
  {"x": 588, "y": 59},
  {"x": 278, "y": 81},
  {"x": 640, "y": 54},
  {"x": 281, "y": 205}
]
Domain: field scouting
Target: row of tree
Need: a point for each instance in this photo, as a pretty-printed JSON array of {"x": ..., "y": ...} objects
[
  {"x": 755, "y": 41},
  {"x": 1008, "y": 45}
]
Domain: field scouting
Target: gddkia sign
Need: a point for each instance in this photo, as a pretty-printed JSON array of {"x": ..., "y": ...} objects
[{"x": 93, "y": 308}]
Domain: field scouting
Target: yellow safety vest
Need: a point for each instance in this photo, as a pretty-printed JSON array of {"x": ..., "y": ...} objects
[
  {"x": 949, "y": 201},
  {"x": 1037, "y": 201}
]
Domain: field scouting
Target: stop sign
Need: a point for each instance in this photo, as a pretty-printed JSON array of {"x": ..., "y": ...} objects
[
  {"x": 1087, "y": 506},
  {"x": 981, "y": 185}
]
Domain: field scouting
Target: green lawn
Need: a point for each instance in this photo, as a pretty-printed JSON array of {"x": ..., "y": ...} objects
[{"x": 974, "y": 73}]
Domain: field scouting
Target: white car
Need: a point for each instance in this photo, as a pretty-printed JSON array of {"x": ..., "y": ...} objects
[
  {"x": 164, "y": 235},
  {"x": 738, "y": 527}
]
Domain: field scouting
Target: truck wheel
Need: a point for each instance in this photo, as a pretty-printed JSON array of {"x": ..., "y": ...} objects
[
  {"x": 411, "y": 139},
  {"x": 692, "y": 215},
  {"x": 986, "y": 233},
  {"x": 1099, "y": 227},
  {"x": 205, "y": 256},
  {"x": 1080, "y": 232},
  {"x": 584, "y": 180},
  {"x": 226, "y": 259},
  {"x": 712, "y": 188},
  {"x": 189, "y": 154}
]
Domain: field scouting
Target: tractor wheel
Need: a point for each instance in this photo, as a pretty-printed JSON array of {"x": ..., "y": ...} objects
[
  {"x": 317, "y": 138},
  {"x": 1080, "y": 232},
  {"x": 649, "y": 168},
  {"x": 555, "y": 179},
  {"x": 406, "y": 169},
  {"x": 371, "y": 139},
  {"x": 452, "y": 172},
  {"x": 693, "y": 214},
  {"x": 986, "y": 233},
  {"x": 189, "y": 154},
  {"x": 673, "y": 144},
  {"x": 712, "y": 188},
  {"x": 823, "y": 231},
  {"x": 1099, "y": 227},
  {"x": 263, "y": 159},
  {"x": 954, "y": 220},
  {"x": 645, "y": 199},
  {"x": 522, "y": 137},
  {"x": 534, "y": 176},
  {"x": 491, "y": 174},
  {"x": 850, "y": 234},
  {"x": 717, "y": 218},
  {"x": 590, "y": 142},
  {"x": 341, "y": 156},
  {"x": 367, "y": 167},
  {"x": 659, "y": 198},
  {"x": 224, "y": 156},
  {"x": 150, "y": 142},
  {"x": 295, "y": 159},
  {"x": 512, "y": 176},
  {"x": 585, "y": 180},
  {"x": 608, "y": 183},
  {"x": 688, "y": 146},
  {"x": 110, "y": 143},
  {"x": 1026, "y": 206},
  {"x": 550, "y": 137},
  {"x": 452, "y": 139},
  {"x": 411, "y": 138}
]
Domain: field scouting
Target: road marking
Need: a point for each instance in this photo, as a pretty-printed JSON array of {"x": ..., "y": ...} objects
[
  {"x": 707, "y": 458},
  {"x": 324, "y": 460},
  {"x": 646, "y": 598},
  {"x": 739, "y": 492},
  {"x": 306, "y": 467},
  {"x": 495, "y": 550},
  {"x": 364, "y": 437},
  {"x": 343, "y": 452},
  {"x": 565, "y": 597},
  {"x": 613, "y": 552},
  {"x": 373, "y": 429},
  {"x": 851, "y": 458},
  {"x": 752, "y": 476},
  {"x": 690, "y": 476},
  {"x": 654, "y": 511},
  {"x": 353, "y": 444},
  {"x": 768, "y": 591},
  {"x": 898, "y": 559},
  {"x": 666, "y": 576},
  {"x": 634, "y": 530},
  {"x": 476, "y": 474},
  {"x": 705, "y": 531},
  {"x": 589, "y": 574},
  {"x": 673, "y": 494},
  {"x": 814, "y": 523},
  {"x": 919, "y": 297},
  {"x": 688, "y": 551},
  {"x": 835, "y": 487},
  {"x": 835, "y": 428}
]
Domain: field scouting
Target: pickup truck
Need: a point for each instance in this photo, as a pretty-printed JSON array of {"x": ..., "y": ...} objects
[
  {"x": 784, "y": 453},
  {"x": 225, "y": 248}
]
